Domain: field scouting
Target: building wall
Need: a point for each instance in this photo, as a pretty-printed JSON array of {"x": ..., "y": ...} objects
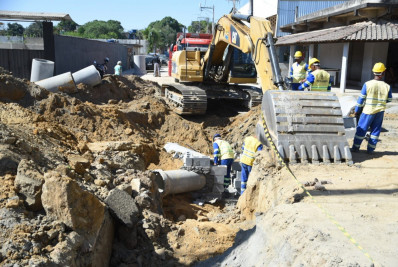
[
  {"x": 73, "y": 54},
  {"x": 19, "y": 61},
  {"x": 330, "y": 55},
  {"x": 373, "y": 53},
  {"x": 287, "y": 10}
]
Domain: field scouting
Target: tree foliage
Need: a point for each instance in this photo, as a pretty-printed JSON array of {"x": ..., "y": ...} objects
[
  {"x": 67, "y": 25},
  {"x": 99, "y": 29},
  {"x": 162, "y": 33},
  {"x": 202, "y": 26},
  {"x": 35, "y": 29},
  {"x": 14, "y": 29}
]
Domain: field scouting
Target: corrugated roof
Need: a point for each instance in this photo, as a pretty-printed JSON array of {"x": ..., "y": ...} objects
[
  {"x": 19, "y": 15},
  {"x": 381, "y": 30}
]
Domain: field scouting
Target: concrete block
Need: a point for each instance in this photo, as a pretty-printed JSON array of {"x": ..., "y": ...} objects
[
  {"x": 236, "y": 166},
  {"x": 218, "y": 188},
  {"x": 219, "y": 179},
  {"x": 218, "y": 170},
  {"x": 236, "y": 184},
  {"x": 123, "y": 207},
  {"x": 188, "y": 162}
]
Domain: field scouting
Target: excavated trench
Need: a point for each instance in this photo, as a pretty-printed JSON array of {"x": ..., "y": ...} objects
[{"x": 77, "y": 188}]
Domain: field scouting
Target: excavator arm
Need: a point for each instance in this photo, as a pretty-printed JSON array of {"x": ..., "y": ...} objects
[
  {"x": 305, "y": 126},
  {"x": 256, "y": 40}
]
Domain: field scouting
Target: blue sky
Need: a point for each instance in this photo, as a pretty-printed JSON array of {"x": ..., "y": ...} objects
[{"x": 132, "y": 14}]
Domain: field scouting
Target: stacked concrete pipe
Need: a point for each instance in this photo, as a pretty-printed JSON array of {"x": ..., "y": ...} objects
[
  {"x": 88, "y": 75},
  {"x": 63, "y": 82},
  {"x": 41, "y": 69}
]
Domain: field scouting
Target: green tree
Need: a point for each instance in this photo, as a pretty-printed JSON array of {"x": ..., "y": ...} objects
[
  {"x": 161, "y": 33},
  {"x": 15, "y": 29},
  {"x": 99, "y": 29},
  {"x": 202, "y": 26},
  {"x": 67, "y": 25},
  {"x": 35, "y": 29}
]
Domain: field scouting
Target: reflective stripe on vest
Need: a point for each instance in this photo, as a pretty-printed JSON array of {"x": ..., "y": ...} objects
[
  {"x": 250, "y": 148},
  {"x": 376, "y": 96},
  {"x": 298, "y": 72},
  {"x": 322, "y": 80},
  {"x": 226, "y": 150}
]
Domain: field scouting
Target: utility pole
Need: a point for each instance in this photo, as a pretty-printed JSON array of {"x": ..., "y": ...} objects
[
  {"x": 208, "y": 7},
  {"x": 234, "y": 2}
]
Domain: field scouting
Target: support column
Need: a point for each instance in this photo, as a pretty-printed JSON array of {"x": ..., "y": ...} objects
[
  {"x": 310, "y": 51},
  {"x": 344, "y": 60},
  {"x": 48, "y": 40},
  {"x": 291, "y": 57}
]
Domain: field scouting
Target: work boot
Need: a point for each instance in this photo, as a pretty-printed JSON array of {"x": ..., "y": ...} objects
[{"x": 354, "y": 149}]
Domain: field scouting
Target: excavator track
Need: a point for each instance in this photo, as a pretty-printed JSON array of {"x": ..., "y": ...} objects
[
  {"x": 186, "y": 100},
  {"x": 305, "y": 126},
  {"x": 192, "y": 100}
]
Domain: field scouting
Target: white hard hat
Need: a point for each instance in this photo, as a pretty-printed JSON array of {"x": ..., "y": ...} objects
[{"x": 119, "y": 62}]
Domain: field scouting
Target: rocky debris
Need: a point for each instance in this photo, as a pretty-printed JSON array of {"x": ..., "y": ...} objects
[
  {"x": 123, "y": 207},
  {"x": 78, "y": 163},
  {"x": 28, "y": 183},
  {"x": 64, "y": 200},
  {"x": 318, "y": 185}
]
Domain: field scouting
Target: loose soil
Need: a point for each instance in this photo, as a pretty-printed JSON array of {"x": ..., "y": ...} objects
[{"x": 274, "y": 222}]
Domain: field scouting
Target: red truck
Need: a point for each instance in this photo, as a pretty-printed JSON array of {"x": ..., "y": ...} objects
[{"x": 192, "y": 41}]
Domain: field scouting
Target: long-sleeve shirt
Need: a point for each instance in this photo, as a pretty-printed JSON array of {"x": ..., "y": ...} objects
[
  {"x": 373, "y": 97},
  {"x": 310, "y": 80}
]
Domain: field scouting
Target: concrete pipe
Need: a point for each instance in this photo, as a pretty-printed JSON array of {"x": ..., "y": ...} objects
[
  {"x": 178, "y": 181},
  {"x": 63, "y": 82},
  {"x": 88, "y": 75},
  {"x": 139, "y": 65},
  {"x": 41, "y": 69}
]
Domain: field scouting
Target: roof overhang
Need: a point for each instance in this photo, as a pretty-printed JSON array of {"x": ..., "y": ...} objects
[
  {"x": 372, "y": 31},
  {"x": 32, "y": 16},
  {"x": 343, "y": 14}
]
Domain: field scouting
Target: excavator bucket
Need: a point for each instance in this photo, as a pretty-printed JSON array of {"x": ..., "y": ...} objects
[{"x": 305, "y": 126}]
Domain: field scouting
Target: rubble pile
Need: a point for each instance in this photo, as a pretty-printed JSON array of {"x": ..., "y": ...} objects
[{"x": 75, "y": 185}]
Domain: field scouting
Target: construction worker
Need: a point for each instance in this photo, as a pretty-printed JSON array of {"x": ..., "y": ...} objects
[
  {"x": 375, "y": 94},
  {"x": 317, "y": 79},
  {"x": 223, "y": 155},
  {"x": 118, "y": 68},
  {"x": 298, "y": 70},
  {"x": 249, "y": 148}
]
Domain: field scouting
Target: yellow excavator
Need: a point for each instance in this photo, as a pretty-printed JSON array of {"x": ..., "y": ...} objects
[{"x": 305, "y": 126}]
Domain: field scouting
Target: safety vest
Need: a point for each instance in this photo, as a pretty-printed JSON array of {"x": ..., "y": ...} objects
[
  {"x": 226, "y": 151},
  {"x": 250, "y": 147},
  {"x": 298, "y": 72},
  {"x": 376, "y": 97},
  {"x": 322, "y": 80}
]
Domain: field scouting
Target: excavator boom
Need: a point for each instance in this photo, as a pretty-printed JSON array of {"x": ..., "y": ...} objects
[{"x": 304, "y": 126}]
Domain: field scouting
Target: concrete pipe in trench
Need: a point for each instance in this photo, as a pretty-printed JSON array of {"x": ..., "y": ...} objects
[{"x": 178, "y": 181}]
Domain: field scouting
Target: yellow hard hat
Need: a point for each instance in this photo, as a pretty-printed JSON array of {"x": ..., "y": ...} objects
[
  {"x": 312, "y": 61},
  {"x": 298, "y": 54},
  {"x": 379, "y": 67}
]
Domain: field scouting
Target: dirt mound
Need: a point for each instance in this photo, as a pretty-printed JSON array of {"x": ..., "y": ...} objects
[{"x": 99, "y": 139}]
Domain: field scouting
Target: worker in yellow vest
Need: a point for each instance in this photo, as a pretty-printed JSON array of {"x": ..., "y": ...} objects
[
  {"x": 249, "y": 148},
  {"x": 223, "y": 155},
  {"x": 317, "y": 79},
  {"x": 372, "y": 101},
  {"x": 298, "y": 70}
]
